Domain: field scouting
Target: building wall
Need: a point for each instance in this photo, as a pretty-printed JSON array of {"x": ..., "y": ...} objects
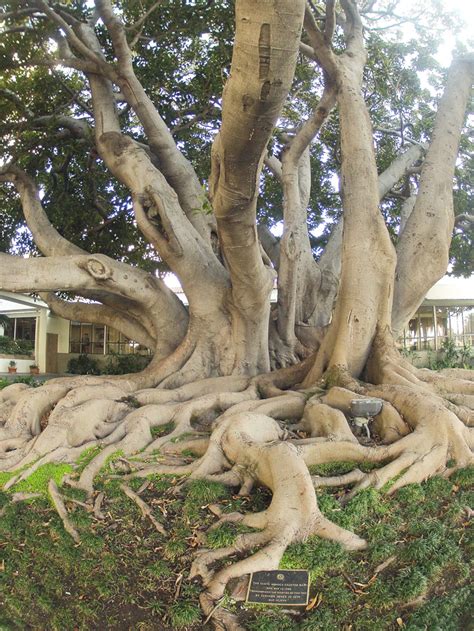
[
  {"x": 61, "y": 328},
  {"x": 22, "y": 363}
]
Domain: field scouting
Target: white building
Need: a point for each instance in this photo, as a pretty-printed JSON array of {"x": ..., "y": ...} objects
[{"x": 31, "y": 322}]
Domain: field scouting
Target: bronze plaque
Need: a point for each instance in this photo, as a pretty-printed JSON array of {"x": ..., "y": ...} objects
[{"x": 279, "y": 587}]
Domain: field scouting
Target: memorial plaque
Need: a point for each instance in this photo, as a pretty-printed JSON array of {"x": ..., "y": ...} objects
[{"x": 279, "y": 587}]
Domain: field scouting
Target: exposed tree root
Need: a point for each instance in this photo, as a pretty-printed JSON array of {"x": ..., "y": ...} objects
[
  {"x": 62, "y": 512},
  {"x": 144, "y": 508},
  {"x": 241, "y": 439}
]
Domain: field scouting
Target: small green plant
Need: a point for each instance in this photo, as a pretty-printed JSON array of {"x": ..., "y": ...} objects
[
  {"x": 452, "y": 356},
  {"x": 30, "y": 381},
  {"x": 410, "y": 354},
  {"x": 83, "y": 365},
  {"x": 38, "y": 481},
  {"x": 204, "y": 491}
]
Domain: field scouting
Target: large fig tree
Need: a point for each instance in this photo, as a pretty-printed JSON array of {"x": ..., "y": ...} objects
[{"x": 108, "y": 158}]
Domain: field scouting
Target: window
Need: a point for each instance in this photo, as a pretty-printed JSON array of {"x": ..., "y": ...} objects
[
  {"x": 86, "y": 338},
  {"x": 468, "y": 316},
  {"x": 23, "y": 331},
  {"x": 97, "y": 339},
  {"x": 442, "y": 325},
  {"x": 426, "y": 329},
  {"x": 118, "y": 343}
]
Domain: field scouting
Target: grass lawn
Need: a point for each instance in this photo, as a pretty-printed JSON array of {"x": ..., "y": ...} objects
[{"x": 126, "y": 575}]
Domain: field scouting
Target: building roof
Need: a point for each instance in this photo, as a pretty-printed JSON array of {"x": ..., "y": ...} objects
[
  {"x": 451, "y": 291},
  {"x": 10, "y": 302}
]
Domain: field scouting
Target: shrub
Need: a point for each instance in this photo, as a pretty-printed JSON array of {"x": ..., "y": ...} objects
[
  {"x": 453, "y": 356},
  {"x": 9, "y": 346},
  {"x": 124, "y": 364},
  {"x": 83, "y": 365}
]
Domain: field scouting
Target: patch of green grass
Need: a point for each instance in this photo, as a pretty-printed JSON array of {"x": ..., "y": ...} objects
[
  {"x": 38, "y": 481},
  {"x": 221, "y": 537},
  {"x": 106, "y": 468},
  {"x": 205, "y": 492},
  {"x": 161, "y": 483},
  {"x": 86, "y": 457},
  {"x": 176, "y": 544},
  {"x": 162, "y": 430},
  {"x": 464, "y": 478},
  {"x": 342, "y": 467},
  {"x": 159, "y": 569},
  {"x": 316, "y": 555},
  {"x": 184, "y": 614},
  {"x": 4, "y": 477},
  {"x": 124, "y": 561},
  {"x": 174, "y": 549},
  {"x": 273, "y": 621},
  {"x": 450, "y": 612}
]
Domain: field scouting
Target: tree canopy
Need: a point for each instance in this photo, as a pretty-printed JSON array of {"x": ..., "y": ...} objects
[{"x": 181, "y": 54}]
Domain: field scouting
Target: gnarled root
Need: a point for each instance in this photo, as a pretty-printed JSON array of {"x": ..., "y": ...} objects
[
  {"x": 254, "y": 443},
  {"x": 386, "y": 366},
  {"x": 437, "y": 436},
  {"x": 250, "y": 442}
]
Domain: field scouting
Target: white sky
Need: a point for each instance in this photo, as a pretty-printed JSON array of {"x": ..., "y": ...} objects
[{"x": 465, "y": 10}]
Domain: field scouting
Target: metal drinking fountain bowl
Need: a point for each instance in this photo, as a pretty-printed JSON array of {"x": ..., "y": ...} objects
[
  {"x": 366, "y": 408},
  {"x": 363, "y": 410}
]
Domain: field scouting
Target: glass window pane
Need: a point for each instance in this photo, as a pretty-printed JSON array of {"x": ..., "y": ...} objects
[
  {"x": 427, "y": 333},
  {"x": 86, "y": 338},
  {"x": 98, "y": 339},
  {"x": 75, "y": 337},
  {"x": 468, "y": 316},
  {"x": 9, "y": 328}
]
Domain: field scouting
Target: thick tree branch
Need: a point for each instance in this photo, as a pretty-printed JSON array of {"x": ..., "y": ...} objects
[
  {"x": 299, "y": 276},
  {"x": 153, "y": 291},
  {"x": 175, "y": 167},
  {"x": 179, "y": 245},
  {"x": 46, "y": 237},
  {"x": 330, "y": 261},
  {"x": 96, "y": 275},
  {"x": 423, "y": 247},
  {"x": 75, "y": 41},
  {"x": 367, "y": 251},
  {"x": 270, "y": 243},
  {"x": 353, "y": 29},
  {"x": 274, "y": 165},
  {"x": 263, "y": 62},
  {"x": 396, "y": 170},
  {"x": 77, "y": 272},
  {"x": 322, "y": 52},
  {"x": 330, "y": 24}
]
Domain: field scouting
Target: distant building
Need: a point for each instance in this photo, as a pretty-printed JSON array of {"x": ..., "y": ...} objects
[
  {"x": 446, "y": 312},
  {"x": 54, "y": 340}
]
